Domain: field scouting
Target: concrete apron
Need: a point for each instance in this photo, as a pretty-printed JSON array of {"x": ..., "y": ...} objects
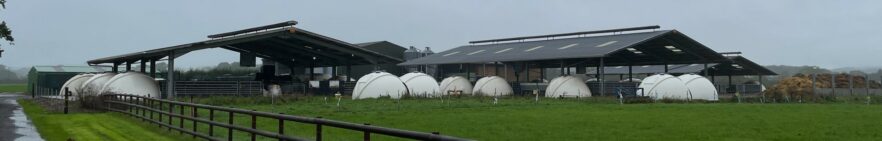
[{"x": 14, "y": 124}]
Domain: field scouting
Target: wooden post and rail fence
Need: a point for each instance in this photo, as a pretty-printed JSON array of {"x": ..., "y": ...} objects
[{"x": 162, "y": 112}]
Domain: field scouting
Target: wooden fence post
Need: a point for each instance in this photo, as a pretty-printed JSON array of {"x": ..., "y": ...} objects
[
  {"x": 281, "y": 127},
  {"x": 318, "y": 130}
]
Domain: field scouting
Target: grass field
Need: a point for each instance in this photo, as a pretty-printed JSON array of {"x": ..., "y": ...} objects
[
  {"x": 13, "y": 87},
  {"x": 93, "y": 126},
  {"x": 592, "y": 119}
]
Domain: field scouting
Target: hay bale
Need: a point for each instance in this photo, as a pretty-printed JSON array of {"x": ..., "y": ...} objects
[{"x": 791, "y": 87}]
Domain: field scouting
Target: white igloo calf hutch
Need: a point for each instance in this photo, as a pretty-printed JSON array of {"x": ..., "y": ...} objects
[
  {"x": 567, "y": 86},
  {"x": 421, "y": 84},
  {"x": 492, "y": 86},
  {"x": 664, "y": 86},
  {"x": 75, "y": 84},
  {"x": 699, "y": 87},
  {"x": 378, "y": 84},
  {"x": 456, "y": 84},
  {"x": 132, "y": 83},
  {"x": 93, "y": 85}
]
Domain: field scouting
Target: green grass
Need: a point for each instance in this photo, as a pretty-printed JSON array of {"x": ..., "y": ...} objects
[
  {"x": 587, "y": 119},
  {"x": 13, "y": 87},
  {"x": 93, "y": 126}
]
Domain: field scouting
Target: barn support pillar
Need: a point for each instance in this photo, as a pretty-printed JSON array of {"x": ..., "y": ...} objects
[
  {"x": 760, "y": 80},
  {"x": 630, "y": 73},
  {"x": 666, "y": 68},
  {"x": 526, "y": 69},
  {"x": 311, "y": 71},
  {"x": 128, "y": 66},
  {"x": 143, "y": 67},
  {"x": 601, "y": 79},
  {"x": 153, "y": 68},
  {"x": 349, "y": 76},
  {"x": 597, "y": 72},
  {"x": 705, "y": 70},
  {"x": 496, "y": 68},
  {"x": 730, "y": 84},
  {"x": 115, "y": 68},
  {"x": 541, "y": 74},
  {"x": 468, "y": 72},
  {"x": 170, "y": 76},
  {"x": 562, "y": 67},
  {"x": 334, "y": 72}
]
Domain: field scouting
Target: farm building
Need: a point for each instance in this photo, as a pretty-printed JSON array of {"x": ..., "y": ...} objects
[
  {"x": 526, "y": 61},
  {"x": 299, "y": 61},
  {"x": 283, "y": 47},
  {"x": 47, "y": 80}
]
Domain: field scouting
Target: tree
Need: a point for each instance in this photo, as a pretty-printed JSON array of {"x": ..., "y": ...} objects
[{"x": 5, "y": 33}]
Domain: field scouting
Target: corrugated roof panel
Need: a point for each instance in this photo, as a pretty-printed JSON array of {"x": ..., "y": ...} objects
[
  {"x": 568, "y": 46},
  {"x": 534, "y": 50},
  {"x": 606, "y": 44},
  {"x": 503, "y": 50}
]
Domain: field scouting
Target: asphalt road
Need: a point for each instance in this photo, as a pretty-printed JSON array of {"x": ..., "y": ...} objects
[{"x": 14, "y": 124}]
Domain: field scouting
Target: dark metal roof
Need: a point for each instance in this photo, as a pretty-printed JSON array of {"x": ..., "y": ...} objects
[
  {"x": 368, "y": 43},
  {"x": 567, "y": 34},
  {"x": 570, "y": 51},
  {"x": 290, "y": 45},
  {"x": 744, "y": 67}
]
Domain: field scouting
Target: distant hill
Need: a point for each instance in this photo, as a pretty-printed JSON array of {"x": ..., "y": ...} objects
[
  {"x": 863, "y": 69},
  {"x": 22, "y": 72}
]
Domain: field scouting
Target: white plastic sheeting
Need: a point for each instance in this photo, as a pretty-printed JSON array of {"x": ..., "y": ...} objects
[
  {"x": 700, "y": 87},
  {"x": 492, "y": 86},
  {"x": 664, "y": 86},
  {"x": 456, "y": 83},
  {"x": 567, "y": 86},
  {"x": 96, "y": 83},
  {"x": 75, "y": 84},
  {"x": 378, "y": 84},
  {"x": 133, "y": 83},
  {"x": 421, "y": 84}
]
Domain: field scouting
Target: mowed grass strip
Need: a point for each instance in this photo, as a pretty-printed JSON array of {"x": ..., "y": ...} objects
[
  {"x": 94, "y": 126},
  {"x": 13, "y": 87},
  {"x": 553, "y": 119}
]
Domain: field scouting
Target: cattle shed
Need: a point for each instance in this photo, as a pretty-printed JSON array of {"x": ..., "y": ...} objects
[
  {"x": 282, "y": 44},
  {"x": 47, "y": 80},
  {"x": 571, "y": 54}
]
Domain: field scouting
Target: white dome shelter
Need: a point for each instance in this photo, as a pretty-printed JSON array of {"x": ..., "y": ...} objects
[
  {"x": 456, "y": 83},
  {"x": 700, "y": 87},
  {"x": 421, "y": 84},
  {"x": 377, "y": 84},
  {"x": 567, "y": 86},
  {"x": 664, "y": 86},
  {"x": 133, "y": 83},
  {"x": 75, "y": 84},
  {"x": 492, "y": 86},
  {"x": 94, "y": 85}
]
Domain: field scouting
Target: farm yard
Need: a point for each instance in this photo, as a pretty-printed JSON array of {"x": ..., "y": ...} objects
[{"x": 439, "y": 71}]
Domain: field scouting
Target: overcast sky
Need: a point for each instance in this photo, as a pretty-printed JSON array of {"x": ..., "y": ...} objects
[{"x": 825, "y": 33}]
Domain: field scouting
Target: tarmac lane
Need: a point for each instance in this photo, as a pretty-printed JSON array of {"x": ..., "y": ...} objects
[{"x": 14, "y": 124}]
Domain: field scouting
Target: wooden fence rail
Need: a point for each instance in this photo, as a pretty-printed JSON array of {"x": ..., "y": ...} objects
[{"x": 145, "y": 108}]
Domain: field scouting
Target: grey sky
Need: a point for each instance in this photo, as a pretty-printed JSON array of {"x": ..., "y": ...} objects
[{"x": 825, "y": 33}]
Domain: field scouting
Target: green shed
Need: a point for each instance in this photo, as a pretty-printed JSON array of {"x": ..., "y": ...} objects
[{"x": 47, "y": 80}]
